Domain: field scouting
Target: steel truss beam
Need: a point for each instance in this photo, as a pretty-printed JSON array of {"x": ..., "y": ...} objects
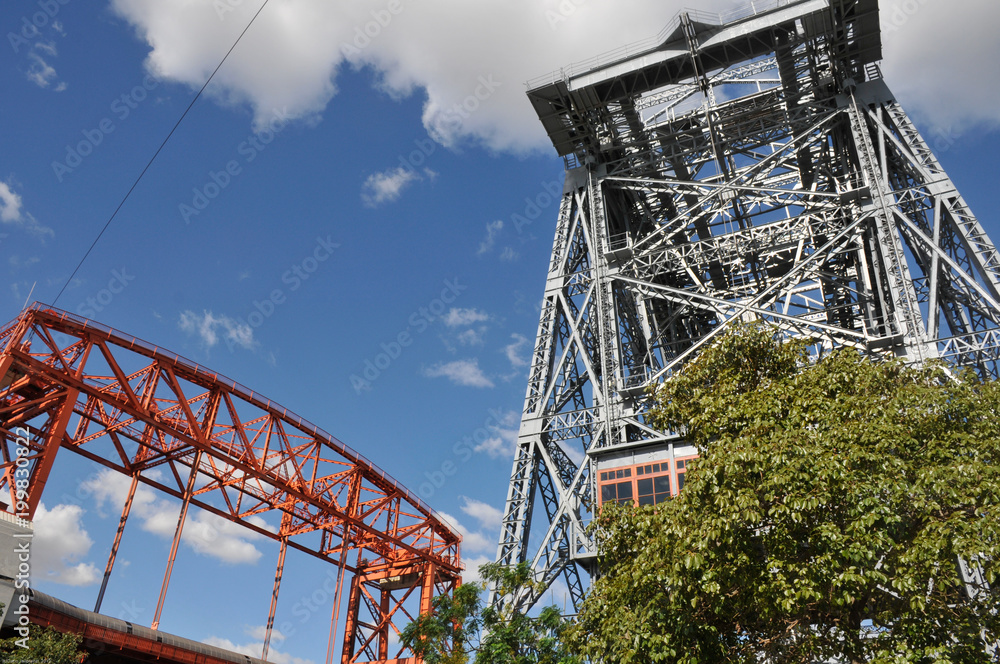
[
  {"x": 798, "y": 193},
  {"x": 220, "y": 447}
]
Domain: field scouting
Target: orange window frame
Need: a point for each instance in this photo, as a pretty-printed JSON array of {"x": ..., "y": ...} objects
[{"x": 642, "y": 483}]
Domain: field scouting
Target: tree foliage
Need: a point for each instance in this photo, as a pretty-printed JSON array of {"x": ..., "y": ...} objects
[
  {"x": 823, "y": 519},
  {"x": 45, "y": 646},
  {"x": 461, "y": 627}
]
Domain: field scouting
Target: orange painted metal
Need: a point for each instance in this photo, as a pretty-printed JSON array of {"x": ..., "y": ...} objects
[{"x": 136, "y": 408}]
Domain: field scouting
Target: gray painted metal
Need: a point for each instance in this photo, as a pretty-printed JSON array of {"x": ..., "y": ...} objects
[{"x": 752, "y": 168}]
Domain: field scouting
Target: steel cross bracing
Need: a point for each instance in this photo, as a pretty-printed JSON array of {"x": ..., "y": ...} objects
[
  {"x": 753, "y": 169},
  {"x": 188, "y": 432}
]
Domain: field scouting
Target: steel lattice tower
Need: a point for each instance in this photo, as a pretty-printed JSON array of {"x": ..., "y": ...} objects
[{"x": 753, "y": 166}]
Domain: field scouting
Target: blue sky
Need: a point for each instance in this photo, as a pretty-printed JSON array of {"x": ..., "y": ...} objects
[{"x": 354, "y": 177}]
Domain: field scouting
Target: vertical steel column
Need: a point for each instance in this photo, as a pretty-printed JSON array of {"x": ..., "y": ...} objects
[
  {"x": 351, "y": 622},
  {"x": 349, "y": 626},
  {"x": 177, "y": 538},
  {"x": 427, "y": 591},
  {"x": 385, "y": 602},
  {"x": 335, "y": 613},
  {"x": 274, "y": 593},
  {"x": 118, "y": 539}
]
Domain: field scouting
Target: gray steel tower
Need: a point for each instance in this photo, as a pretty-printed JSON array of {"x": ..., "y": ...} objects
[{"x": 752, "y": 166}]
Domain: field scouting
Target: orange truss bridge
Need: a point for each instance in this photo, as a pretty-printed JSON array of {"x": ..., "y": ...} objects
[{"x": 70, "y": 383}]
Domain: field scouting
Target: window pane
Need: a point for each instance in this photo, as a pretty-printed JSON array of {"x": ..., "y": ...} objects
[
  {"x": 662, "y": 498},
  {"x": 681, "y": 465},
  {"x": 645, "y": 488},
  {"x": 680, "y": 481},
  {"x": 628, "y": 472},
  {"x": 638, "y": 471},
  {"x": 607, "y": 492},
  {"x": 619, "y": 473},
  {"x": 662, "y": 483},
  {"x": 604, "y": 476},
  {"x": 624, "y": 490},
  {"x": 656, "y": 467},
  {"x": 645, "y": 500}
]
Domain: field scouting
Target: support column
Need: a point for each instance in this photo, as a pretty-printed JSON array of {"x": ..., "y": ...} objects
[
  {"x": 118, "y": 540},
  {"x": 335, "y": 613},
  {"x": 274, "y": 596},
  {"x": 177, "y": 538},
  {"x": 351, "y": 623},
  {"x": 385, "y": 605},
  {"x": 427, "y": 591}
]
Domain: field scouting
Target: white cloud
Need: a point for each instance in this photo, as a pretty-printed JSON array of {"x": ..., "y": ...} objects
[
  {"x": 479, "y": 546},
  {"x": 259, "y": 632},
  {"x": 460, "y": 54},
  {"x": 513, "y": 350},
  {"x": 492, "y": 230},
  {"x": 508, "y": 254},
  {"x": 386, "y": 186},
  {"x": 575, "y": 454},
  {"x": 10, "y": 204},
  {"x": 489, "y": 517},
  {"x": 473, "y": 87},
  {"x": 472, "y": 541},
  {"x": 471, "y": 572},
  {"x": 12, "y": 212},
  {"x": 472, "y": 336},
  {"x": 461, "y": 317},
  {"x": 205, "y": 533},
  {"x": 108, "y": 486},
  {"x": 206, "y": 326},
  {"x": 461, "y": 372},
  {"x": 19, "y": 263},
  {"x": 40, "y": 72},
  {"x": 59, "y": 543},
  {"x": 496, "y": 447},
  {"x": 254, "y": 649},
  {"x": 503, "y": 442},
  {"x": 940, "y": 61},
  {"x": 219, "y": 538}
]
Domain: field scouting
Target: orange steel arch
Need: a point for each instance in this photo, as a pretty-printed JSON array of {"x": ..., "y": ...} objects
[{"x": 74, "y": 384}]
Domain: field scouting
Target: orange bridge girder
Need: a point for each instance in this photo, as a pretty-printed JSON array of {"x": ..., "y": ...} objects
[{"x": 74, "y": 384}]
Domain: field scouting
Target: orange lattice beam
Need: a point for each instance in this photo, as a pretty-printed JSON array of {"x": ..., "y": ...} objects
[{"x": 133, "y": 407}]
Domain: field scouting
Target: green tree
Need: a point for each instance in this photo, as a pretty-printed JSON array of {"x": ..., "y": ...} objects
[
  {"x": 45, "y": 646},
  {"x": 823, "y": 519},
  {"x": 461, "y": 627}
]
